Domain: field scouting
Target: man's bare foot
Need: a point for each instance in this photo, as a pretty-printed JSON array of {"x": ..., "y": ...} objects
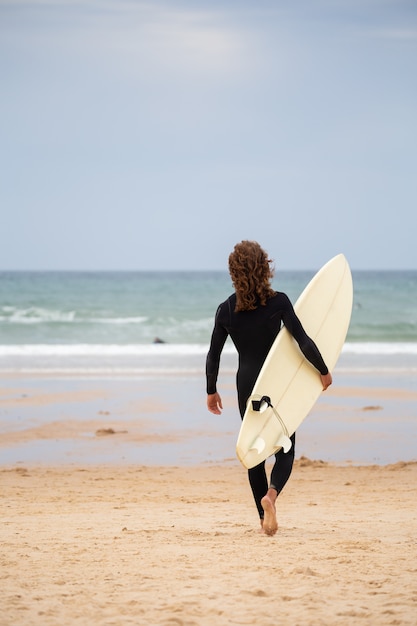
[{"x": 270, "y": 524}]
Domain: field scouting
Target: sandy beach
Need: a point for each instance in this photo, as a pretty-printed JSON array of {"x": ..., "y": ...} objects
[
  {"x": 95, "y": 536},
  {"x": 172, "y": 545}
]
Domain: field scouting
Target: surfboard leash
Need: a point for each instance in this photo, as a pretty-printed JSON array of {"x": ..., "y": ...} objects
[{"x": 257, "y": 406}]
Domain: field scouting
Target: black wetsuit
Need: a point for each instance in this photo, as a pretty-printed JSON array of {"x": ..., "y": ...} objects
[{"x": 253, "y": 333}]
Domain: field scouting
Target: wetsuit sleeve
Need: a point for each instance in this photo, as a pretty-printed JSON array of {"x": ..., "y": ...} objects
[
  {"x": 307, "y": 345},
  {"x": 218, "y": 339}
]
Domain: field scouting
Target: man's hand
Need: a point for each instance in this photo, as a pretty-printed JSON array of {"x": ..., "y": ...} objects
[
  {"x": 214, "y": 403},
  {"x": 326, "y": 380}
]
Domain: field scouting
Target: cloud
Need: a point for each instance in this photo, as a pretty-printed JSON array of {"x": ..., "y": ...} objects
[
  {"x": 131, "y": 37},
  {"x": 189, "y": 40},
  {"x": 395, "y": 34}
]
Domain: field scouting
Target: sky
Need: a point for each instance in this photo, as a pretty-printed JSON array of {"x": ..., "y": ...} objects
[{"x": 152, "y": 135}]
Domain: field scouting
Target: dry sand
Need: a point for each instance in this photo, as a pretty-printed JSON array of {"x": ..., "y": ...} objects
[{"x": 181, "y": 546}]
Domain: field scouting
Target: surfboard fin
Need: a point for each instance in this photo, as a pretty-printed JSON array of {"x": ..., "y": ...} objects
[
  {"x": 284, "y": 442},
  {"x": 258, "y": 445}
]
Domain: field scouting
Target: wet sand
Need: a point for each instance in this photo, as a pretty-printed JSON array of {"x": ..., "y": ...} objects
[{"x": 164, "y": 420}]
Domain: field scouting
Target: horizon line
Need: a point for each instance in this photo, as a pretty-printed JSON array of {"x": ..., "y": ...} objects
[{"x": 172, "y": 270}]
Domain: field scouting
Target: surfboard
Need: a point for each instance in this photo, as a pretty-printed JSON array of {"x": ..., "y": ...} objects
[{"x": 288, "y": 385}]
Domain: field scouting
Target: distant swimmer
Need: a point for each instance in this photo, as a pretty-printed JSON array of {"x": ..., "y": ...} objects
[{"x": 158, "y": 340}]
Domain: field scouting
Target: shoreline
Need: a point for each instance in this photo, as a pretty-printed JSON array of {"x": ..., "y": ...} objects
[{"x": 123, "y": 503}]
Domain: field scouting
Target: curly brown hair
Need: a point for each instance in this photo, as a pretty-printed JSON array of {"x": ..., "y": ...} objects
[{"x": 251, "y": 272}]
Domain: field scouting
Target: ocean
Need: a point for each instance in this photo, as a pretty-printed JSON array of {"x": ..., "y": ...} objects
[
  {"x": 81, "y": 346},
  {"x": 142, "y": 322}
]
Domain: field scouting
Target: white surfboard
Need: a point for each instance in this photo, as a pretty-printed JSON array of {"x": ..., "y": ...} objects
[{"x": 288, "y": 385}]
